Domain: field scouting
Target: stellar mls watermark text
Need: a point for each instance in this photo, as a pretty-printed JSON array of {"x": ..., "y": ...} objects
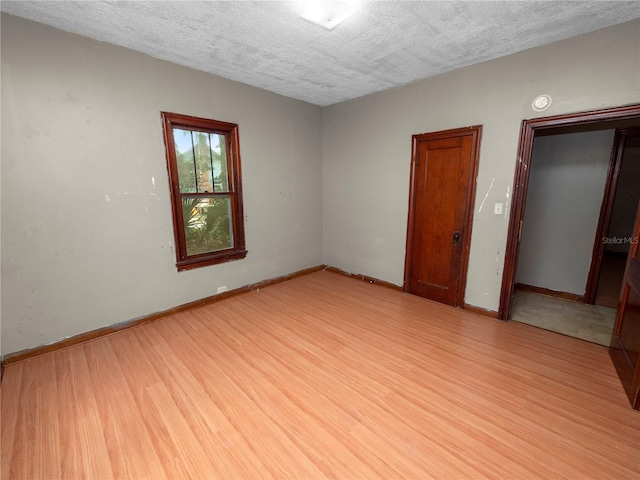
[{"x": 620, "y": 240}]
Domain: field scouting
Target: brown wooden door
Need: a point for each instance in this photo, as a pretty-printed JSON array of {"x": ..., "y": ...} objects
[
  {"x": 442, "y": 187},
  {"x": 625, "y": 341}
]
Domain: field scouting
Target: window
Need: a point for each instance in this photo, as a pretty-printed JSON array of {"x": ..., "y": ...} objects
[{"x": 203, "y": 158}]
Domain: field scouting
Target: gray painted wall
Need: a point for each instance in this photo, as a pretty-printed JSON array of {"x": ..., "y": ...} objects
[
  {"x": 564, "y": 197},
  {"x": 87, "y": 236},
  {"x": 367, "y": 147},
  {"x": 86, "y": 223}
]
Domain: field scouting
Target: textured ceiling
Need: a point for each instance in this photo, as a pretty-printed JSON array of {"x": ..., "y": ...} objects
[{"x": 386, "y": 44}]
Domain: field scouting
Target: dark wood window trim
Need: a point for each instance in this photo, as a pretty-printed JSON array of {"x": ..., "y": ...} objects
[{"x": 237, "y": 250}]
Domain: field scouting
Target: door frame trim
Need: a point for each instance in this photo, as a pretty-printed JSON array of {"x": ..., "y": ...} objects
[
  {"x": 606, "y": 210},
  {"x": 475, "y": 132},
  {"x": 521, "y": 180}
]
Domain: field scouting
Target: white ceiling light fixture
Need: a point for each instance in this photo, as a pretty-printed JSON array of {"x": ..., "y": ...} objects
[{"x": 329, "y": 13}]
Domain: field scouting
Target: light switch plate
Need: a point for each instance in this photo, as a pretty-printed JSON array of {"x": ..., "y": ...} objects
[{"x": 497, "y": 209}]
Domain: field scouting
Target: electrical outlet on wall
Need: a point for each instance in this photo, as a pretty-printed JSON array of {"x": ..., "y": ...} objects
[{"x": 221, "y": 289}]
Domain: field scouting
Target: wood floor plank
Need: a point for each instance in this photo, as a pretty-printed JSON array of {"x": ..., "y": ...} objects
[
  {"x": 321, "y": 376},
  {"x": 10, "y": 401},
  {"x": 129, "y": 444},
  {"x": 69, "y": 451},
  {"x": 91, "y": 455},
  {"x": 46, "y": 448},
  {"x": 189, "y": 386}
]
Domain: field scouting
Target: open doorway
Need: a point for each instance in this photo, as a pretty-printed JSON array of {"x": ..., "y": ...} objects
[
  {"x": 548, "y": 262},
  {"x": 579, "y": 213},
  {"x": 613, "y": 240}
]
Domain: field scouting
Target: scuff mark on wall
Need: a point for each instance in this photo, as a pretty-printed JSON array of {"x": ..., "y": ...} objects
[
  {"x": 508, "y": 199},
  {"x": 486, "y": 195},
  {"x": 34, "y": 231}
]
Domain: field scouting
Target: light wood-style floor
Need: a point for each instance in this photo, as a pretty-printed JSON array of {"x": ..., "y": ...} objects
[{"x": 321, "y": 376}]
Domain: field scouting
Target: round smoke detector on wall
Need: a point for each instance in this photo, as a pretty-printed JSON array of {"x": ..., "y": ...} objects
[{"x": 541, "y": 103}]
